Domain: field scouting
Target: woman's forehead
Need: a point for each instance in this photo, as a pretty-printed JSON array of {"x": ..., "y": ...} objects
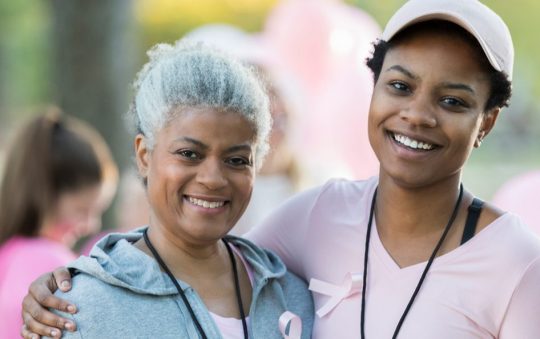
[
  {"x": 437, "y": 28},
  {"x": 445, "y": 37},
  {"x": 209, "y": 124},
  {"x": 441, "y": 61}
]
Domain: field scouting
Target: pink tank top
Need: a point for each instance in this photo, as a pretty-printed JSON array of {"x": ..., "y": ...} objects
[{"x": 231, "y": 328}]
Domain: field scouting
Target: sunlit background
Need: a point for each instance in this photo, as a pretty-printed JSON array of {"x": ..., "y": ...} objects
[{"x": 82, "y": 56}]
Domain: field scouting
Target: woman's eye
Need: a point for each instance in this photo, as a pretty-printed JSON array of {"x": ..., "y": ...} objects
[
  {"x": 188, "y": 154},
  {"x": 399, "y": 86},
  {"x": 239, "y": 161},
  {"x": 453, "y": 102}
]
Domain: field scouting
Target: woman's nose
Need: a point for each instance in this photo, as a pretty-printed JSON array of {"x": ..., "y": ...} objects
[
  {"x": 210, "y": 173},
  {"x": 420, "y": 112}
]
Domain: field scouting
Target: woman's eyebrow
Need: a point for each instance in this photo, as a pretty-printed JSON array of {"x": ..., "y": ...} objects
[
  {"x": 198, "y": 143},
  {"x": 192, "y": 141},
  {"x": 241, "y": 147},
  {"x": 401, "y": 69},
  {"x": 448, "y": 85},
  {"x": 460, "y": 86}
]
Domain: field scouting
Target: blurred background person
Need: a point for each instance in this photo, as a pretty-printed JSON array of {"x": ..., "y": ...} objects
[
  {"x": 132, "y": 209},
  {"x": 279, "y": 177},
  {"x": 59, "y": 177},
  {"x": 323, "y": 45},
  {"x": 132, "y": 202},
  {"x": 519, "y": 195}
]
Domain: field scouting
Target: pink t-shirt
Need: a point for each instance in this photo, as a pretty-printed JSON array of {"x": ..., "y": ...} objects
[
  {"x": 22, "y": 260},
  {"x": 487, "y": 288},
  {"x": 231, "y": 328}
]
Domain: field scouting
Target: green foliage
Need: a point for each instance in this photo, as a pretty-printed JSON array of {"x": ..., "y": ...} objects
[
  {"x": 168, "y": 20},
  {"x": 24, "y": 48}
]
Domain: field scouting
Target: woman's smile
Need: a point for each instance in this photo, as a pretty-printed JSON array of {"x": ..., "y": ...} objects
[
  {"x": 210, "y": 205},
  {"x": 206, "y": 203},
  {"x": 411, "y": 142},
  {"x": 411, "y": 146}
]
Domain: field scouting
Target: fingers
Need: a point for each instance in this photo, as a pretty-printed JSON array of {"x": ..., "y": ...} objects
[
  {"x": 26, "y": 334},
  {"x": 62, "y": 280},
  {"x": 37, "y": 319},
  {"x": 33, "y": 329},
  {"x": 40, "y": 297},
  {"x": 34, "y": 315}
]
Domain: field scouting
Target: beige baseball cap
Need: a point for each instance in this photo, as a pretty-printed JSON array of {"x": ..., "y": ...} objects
[{"x": 479, "y": 20}]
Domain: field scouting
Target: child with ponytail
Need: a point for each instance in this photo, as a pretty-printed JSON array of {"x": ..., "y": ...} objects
[{"x": 58, "y": 178}]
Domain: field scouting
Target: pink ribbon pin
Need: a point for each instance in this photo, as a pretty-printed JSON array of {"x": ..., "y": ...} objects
[
  {"x": 295, "y": 329},
  {"x": 351, "y": 285}
]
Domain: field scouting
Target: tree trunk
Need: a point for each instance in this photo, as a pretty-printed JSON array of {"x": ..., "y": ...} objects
[
  {"x": 92, "y": 69},
  {"x": 93, "y": 65}
]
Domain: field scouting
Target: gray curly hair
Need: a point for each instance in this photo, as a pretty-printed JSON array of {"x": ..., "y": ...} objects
[{"x": 189, "y": 74}]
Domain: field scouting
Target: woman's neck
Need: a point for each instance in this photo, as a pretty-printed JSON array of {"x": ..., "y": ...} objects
[
  {"x": 409, "y": 212},
  {"x": 207, "y": 268},
  {"x": 411, "y": 221},
  {"x": 188, "y": 261}
]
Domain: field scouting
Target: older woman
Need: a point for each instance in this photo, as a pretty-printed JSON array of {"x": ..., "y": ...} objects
[
  {"x": 202, "y": 120},
  {"x": 411, "y": 253}
]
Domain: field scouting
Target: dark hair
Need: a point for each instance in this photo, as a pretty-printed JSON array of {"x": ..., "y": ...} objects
[
  {"x": 51, "y": 155},
  {"x": 501, "y": 87}
]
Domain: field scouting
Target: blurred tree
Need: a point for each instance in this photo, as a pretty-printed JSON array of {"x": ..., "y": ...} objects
[
  {"x": 93, "y": 65},
  {"x": 24, "y": 59}
]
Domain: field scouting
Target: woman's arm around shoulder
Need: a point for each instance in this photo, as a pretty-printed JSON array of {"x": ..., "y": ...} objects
[{"x": 284, "y": 230}]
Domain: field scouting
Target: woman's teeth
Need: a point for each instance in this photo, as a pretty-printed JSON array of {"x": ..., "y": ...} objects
[
  {"x": 411, "y": 143},
  {"x": 206, "y": 204}
]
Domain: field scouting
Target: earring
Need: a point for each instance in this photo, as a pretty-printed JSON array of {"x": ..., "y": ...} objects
[{"x": 479, "y": 140}]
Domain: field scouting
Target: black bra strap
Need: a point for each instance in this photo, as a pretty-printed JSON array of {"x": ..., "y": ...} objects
[{"x": 472, "y": 219}]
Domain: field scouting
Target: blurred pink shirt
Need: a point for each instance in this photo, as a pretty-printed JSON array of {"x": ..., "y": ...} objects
[
  {"x": 22, "y": 260},
  {"x": 487, "y": 288}
]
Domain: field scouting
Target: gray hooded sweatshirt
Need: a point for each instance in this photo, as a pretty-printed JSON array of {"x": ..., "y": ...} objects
[{"x": 121, "y": 292}]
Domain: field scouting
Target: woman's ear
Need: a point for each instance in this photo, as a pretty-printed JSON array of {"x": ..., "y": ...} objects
[
  {"x": 142, "y": 154},
  {"x": 488, "y": 121}
]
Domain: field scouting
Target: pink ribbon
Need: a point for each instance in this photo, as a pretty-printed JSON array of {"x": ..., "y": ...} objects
[
  {"x": 351, "y": 285},
  {"x": 295, "y": 329}
]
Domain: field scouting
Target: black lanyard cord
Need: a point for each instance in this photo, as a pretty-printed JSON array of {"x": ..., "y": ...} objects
[
  {"x": 183, "y": 295},
  {"x": 366, "y": 251},
  {"x": 424, "y": 274},
  {"x": 237, "y": 288}
]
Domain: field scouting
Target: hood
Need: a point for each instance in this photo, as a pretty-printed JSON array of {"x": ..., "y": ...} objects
[
  {"x": 115, "y": 261},
  {"x": 264, "y": 263}
]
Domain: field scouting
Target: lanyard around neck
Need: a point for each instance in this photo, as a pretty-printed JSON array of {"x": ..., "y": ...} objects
[
  {"x": 183, "y": 295},
  {"x": 422, "y": 278}
]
